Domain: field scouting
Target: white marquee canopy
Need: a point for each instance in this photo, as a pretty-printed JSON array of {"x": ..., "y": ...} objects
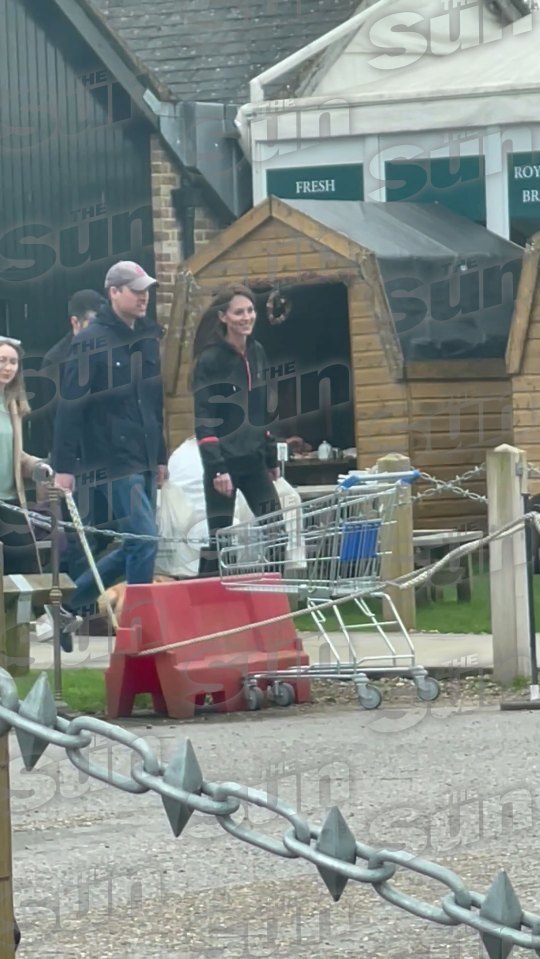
[{"x": 403, "y": 66}]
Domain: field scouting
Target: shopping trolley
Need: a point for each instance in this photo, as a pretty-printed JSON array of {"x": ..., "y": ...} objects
[{"x": 325, "y": 550}]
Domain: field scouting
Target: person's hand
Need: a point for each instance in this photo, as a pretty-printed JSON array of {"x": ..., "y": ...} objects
[
  {"x": 42, "y": 493},
  {"x": 274, "y": 474},
  {"x": 65, "y": 481},
  {"x": 162, "y": 475},
  {"x": 42, "y": 473},
  {"x": 223, "y": 484}
]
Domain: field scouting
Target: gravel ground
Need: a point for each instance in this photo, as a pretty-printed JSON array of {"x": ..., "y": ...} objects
[{"x": 99, "y": 874}]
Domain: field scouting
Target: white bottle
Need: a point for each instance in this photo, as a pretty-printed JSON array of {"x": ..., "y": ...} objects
[{"x": 325, "y": 451}]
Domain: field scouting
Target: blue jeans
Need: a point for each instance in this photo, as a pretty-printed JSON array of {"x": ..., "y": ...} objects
[{"x": 133, "y": 506}]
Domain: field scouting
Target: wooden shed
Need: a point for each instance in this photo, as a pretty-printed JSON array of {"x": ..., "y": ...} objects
[
  {"x": 444, "y": 414},
  {"x": 523, "y": 359}
]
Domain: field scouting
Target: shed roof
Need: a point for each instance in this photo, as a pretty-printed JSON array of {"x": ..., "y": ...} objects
[
  {"x": 408, "y": 230},
  {"x": 450, "y": 283},
  {"x": 208, "y": 50}
]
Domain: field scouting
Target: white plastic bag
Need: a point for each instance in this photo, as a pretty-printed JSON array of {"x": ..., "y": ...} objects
[
  {"x": 186, "y": 477},
  {"x": 291, "y": 504},
  {"x": 175, "y": 522}
]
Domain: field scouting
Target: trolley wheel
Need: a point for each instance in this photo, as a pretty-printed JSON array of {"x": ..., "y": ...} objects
[
  {"x": 283, "y": 694},
  {"x": 369, "y": 696},
  {"x": 254, "y": 697},
  {"x": 428, "y": 689}
]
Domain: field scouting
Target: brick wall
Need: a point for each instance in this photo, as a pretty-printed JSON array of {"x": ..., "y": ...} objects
[
  {"x": 167, "y": 233},
  {"x": 166, "y": 176},
  {"x": 206, "y": 227}
]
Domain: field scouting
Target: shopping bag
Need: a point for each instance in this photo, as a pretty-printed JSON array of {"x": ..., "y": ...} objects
[
  {"x": 291, "y": 504},
  {"x": 177, "y": 553}
]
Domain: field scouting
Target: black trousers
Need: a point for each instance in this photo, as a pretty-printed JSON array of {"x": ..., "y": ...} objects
[
  {"x": 20, "y": 554},
  {"x": 261, "y": 497}
]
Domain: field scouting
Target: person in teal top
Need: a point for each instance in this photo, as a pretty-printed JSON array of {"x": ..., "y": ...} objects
[
  {"x": 7, "y": 476},
  {"x": 16, "y": 536}
]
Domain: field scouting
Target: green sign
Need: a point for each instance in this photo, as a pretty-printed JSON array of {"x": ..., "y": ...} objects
[
  {"x": 455, "y": 182},
  {"x": 317, "y": 183},
  {"x": 524, "y": 185}
]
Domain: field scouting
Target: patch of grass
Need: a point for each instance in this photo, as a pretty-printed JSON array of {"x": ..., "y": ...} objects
[
  {"x": 83, "y": 689},
  {"x": 447, "y": 615}
]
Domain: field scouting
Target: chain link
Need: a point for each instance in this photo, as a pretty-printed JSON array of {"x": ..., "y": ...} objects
[
  {"x": 452, "y": 486},
  {"x": 332, "y": 848},
  {"x": 437, "y": 486},
  {"x": 44, "y": 523}
]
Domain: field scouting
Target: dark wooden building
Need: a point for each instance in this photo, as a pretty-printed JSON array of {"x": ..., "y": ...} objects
[
  {"x": 75, "y": 171},
  {"x": 117, "y": 140}
]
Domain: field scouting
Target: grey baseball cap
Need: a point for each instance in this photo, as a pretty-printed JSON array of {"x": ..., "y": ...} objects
[{"x": 128, "y": 273}]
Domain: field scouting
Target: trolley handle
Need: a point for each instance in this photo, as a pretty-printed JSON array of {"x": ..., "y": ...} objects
[{"x": 409, "y": 476}]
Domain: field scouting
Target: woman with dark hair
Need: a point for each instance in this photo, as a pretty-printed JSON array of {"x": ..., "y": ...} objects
[
  {"x": 16, "y": 536},
  {"x": 230, "y": 399}
]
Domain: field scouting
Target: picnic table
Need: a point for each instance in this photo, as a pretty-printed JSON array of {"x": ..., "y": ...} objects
[{"x": 431, "y": 545}]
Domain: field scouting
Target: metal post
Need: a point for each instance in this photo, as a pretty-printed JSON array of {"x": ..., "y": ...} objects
[
  {"x": 535, "y": 695},
  {"x": 56, "y": 593},
  {"x": 7, "y": 944}
]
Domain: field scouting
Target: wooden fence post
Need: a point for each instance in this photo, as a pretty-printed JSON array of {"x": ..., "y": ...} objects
[
  {"x": 7, "y": 945},
  {"x": 401, "y": 558},
  {"x": 506, "y": 484}
]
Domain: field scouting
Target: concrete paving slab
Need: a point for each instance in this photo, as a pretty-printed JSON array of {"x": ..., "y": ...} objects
[{"x": 433, "y": 650}]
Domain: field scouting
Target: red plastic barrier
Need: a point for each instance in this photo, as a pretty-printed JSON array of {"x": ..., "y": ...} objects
[{"x": 180, "y": 679}]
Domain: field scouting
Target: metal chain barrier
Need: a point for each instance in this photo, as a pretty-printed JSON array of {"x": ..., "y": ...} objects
[
  {"x": 452, "y": 486},
  {"x": 407, "y": 581},
  {"x": 332, "y": 848},
  {"x": 41, "y": 521},
  {"x": 437, "y": 486}
]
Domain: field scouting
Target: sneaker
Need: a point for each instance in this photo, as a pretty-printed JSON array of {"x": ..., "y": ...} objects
[
  {"x": 69, "y": 624},
  {"x": 42, "y": 629}
]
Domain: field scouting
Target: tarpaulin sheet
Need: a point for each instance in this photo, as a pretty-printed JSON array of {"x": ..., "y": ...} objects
[{"x": 451, "y": 284}]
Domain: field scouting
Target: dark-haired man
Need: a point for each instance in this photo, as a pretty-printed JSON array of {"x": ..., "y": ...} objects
[{"x": 82, "y": 309}]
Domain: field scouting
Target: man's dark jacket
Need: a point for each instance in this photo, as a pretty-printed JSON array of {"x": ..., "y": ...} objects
[
  {"x": 45, "y": 402},
  {"x": 110, "y": 411}
]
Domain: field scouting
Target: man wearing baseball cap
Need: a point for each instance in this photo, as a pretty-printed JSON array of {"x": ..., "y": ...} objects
[
  {"x": 111, "y": 409},
  {"x": 128, "y": 274}
]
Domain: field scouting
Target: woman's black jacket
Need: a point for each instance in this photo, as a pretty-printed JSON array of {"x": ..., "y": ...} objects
[{"x": 231, "y": 414}]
